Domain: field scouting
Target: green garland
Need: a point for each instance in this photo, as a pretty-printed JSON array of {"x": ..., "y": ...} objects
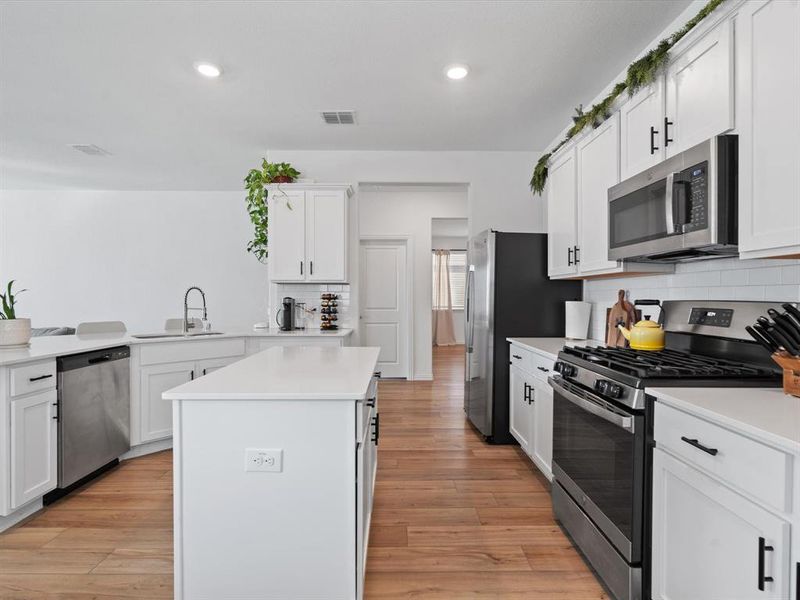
[{"x": 640, "y": 74}]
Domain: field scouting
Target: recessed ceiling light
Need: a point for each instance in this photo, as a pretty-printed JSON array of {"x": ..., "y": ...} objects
[
  {"x": 456, "y": 71},
  {"x": 208, "y": 70}
]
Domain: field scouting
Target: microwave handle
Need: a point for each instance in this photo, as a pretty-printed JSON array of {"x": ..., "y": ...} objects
[{"x": 668, "y": 212}]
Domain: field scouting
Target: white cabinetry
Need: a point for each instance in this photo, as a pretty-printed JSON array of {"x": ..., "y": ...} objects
[
  {"x": 768, "y": 115},
  {"x": 34, "y": 467},
  {"x": 308, "y": 227},
  {"x": 531, "y": 405},
  {"x": 158, "y": 367},
  {"x": 257, "y": 344},
  {"x": 718, "y": 530},
  {"x": 562, "y": 215},
  {"x": 577, "y": 207},
  {"x": 641, "y": 119}
]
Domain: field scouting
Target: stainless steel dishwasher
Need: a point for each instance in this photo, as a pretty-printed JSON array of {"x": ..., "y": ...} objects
[{"x": 93, "y": 412}]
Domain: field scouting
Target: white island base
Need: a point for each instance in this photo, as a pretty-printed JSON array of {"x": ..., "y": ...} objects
[{"x": 274, "y": 466}]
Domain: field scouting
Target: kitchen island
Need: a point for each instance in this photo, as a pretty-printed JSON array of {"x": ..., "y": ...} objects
[{"x": 274, "y": 465}]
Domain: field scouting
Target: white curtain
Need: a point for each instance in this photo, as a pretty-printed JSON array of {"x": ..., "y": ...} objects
[{"x": 443, "y": 328}]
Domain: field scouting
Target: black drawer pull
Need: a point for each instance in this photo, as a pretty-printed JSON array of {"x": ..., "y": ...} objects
[
  {"x": 517, "y": 356},
  {"x": 376, "y": 433},
  {"x": 377, "y": 374},
  {"x": 40, "y": 377},
  {"x": 762, "y": 548},
  {"x": 699, "y": 446},
  {"x": 543, "y": 369},
  {"x": 371, "y": 401}
]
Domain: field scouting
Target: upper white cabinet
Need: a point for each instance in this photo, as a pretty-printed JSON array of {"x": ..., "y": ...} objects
[
  {"x": 699, "y": 86},
  {"x": 641, "y": 120},
  {"x": 690, "y": 103},
  {"x": 308, "y": 233},
  {"x": 768, "y": 115},
  {"x": 562, "y": 214},
  {"x": 577, "y": 207}
]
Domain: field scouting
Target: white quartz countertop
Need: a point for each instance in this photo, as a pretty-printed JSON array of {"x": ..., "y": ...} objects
[
  {"x": 550, "y": 345},
  {"x": 288, "y": 373},
  {"x": 61, "y": 345},
  {"x": 766, "y": 414}
]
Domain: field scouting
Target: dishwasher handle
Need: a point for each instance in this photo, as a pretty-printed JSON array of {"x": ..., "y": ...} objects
[{"x": 99, "y": 359}]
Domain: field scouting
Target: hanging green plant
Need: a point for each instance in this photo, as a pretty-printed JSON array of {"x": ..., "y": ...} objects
[
  {"x": 257, "y": 206},
  {"x": 640, "y": 73}
]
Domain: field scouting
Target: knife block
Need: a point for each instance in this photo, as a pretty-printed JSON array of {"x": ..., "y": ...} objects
[{"x": 791, "y": 372}]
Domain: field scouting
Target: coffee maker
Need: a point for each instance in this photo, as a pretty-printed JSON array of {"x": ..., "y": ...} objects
[{"x": 287, "y": 316}]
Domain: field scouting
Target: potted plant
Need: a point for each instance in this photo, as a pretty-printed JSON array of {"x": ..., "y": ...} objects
[
  {"x": 255, "y": 183},
  {"x": 13, "y": 331}
]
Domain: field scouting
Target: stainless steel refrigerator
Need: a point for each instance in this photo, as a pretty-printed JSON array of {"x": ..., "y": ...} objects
[{"x": 508, "y": 295}]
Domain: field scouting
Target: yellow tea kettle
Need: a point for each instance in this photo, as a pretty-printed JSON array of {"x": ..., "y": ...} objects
[{"x": 646, "y": 334}]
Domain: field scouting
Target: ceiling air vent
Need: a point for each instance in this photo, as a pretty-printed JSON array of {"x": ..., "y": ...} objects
[
  {"x": 339, "y": 117},
  {"x": 90, "y": 149}
]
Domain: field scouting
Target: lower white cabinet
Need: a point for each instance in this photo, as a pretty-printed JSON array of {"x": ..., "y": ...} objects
[
  {"x": 710, "y": 542},
  {"x": 366, "y": 472},
  {"x": 257, "y": 344},
  {"x": 530, "y": 407},
  {"x": 156, "y": 413},
  {"x": 34, "y": 430}
]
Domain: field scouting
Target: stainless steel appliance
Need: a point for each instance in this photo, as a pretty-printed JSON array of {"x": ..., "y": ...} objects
[
  {"x": 603, "y": 427},
  {"x": 93, "y": 412},
  {"x": 684, "y": 208},
  {"x": 508, "y": 293}
]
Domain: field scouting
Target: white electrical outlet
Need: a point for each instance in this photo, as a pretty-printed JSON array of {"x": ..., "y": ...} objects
[{"x": 260, "y": 459}]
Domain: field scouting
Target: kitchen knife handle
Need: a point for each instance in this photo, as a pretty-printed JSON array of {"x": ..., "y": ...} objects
[
  {"x": 763, "y": 331},
  {"x": 783, "y": 341},
  {"x": 791, "y": 309},
  {"x": 761, "y": 339}
]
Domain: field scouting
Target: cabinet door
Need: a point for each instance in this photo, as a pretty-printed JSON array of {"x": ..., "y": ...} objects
[
  {"x": 700, "y": 91},
  {"x": 768, "y": 89},
  {"x": 543, "y": 426},
  {"x": 706, "y": 539},
  {"x": 326, "y": 235},
  {"x": 34, "y": 467},
  {"x": 156, "y": 413},
  {"x": 287, "y": 235},
  {"x": 519, "y": 409},
  {"x": 641, "y": 129},
  {"x": 562, "y": 215},
  {"x": 598, "y": 170}
]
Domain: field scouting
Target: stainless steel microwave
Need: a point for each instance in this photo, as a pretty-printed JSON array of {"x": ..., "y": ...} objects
[{"x": 684, "y": 208}]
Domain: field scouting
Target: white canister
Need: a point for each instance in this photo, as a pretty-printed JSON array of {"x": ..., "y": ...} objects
[
  {"x": 15, "y": 332},
  {"x": 576, "y": 325}
]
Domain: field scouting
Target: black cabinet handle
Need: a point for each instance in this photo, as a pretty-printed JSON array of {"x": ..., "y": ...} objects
[
  {"x": 569, "y": 257},
  {"x": 377, "y": 374},
  {"x": 376, "y": 432},
  {"x": 762, "y": 549},
  {"x": 577, "y": 258},
  {"x": 40, "y": 377},
  {"x": 371, "y": 401},
  {"x": 653, "y": 147},
  {"x": 301, "y": 267},
  {"x": 311, "y": 267},
  {"x": 543, "y": 369},
  {"x": 797, "y": 582},
  {"x": 517, "y": 356},
  {"x": 667, "y": 139},
  {"x": 699, "y": 446},
  {"x": 191, "y": 374},
  {"x": 55, "y": 416},
  {"x": 204, "y": 371}
]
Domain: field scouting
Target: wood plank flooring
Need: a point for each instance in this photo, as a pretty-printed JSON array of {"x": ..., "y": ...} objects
[{"x": 454, "y": 518}]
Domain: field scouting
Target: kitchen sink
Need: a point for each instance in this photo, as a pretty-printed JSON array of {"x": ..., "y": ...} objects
[{"x": 155, "y": 336}]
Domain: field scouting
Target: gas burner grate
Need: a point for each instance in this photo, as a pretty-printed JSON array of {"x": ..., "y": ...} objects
[{"x": 665, "y": 363}]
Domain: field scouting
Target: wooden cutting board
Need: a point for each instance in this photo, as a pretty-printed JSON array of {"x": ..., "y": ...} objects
[{"x": 622, "y": 312}]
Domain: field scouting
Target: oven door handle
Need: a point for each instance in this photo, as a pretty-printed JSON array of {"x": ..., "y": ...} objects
[{"x": 593, "y": 406}]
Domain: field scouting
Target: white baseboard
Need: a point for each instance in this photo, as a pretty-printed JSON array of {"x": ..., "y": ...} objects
[
  {"x": 148, "y": 448},
  {"x": 21, "y": 514}
]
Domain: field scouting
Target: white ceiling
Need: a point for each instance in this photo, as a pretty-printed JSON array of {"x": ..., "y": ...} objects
[{"x": 119, "y": 74}]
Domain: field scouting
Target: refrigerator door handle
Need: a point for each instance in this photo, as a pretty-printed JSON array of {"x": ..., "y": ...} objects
[{"x": 470, "y": 321}]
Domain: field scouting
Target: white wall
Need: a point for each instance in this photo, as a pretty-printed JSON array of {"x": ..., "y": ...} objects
[
  {"x": 498, "y": 195},
  {"x": 102, "y": 255},
  {"x": 721, "y": 279},
  {"x": 394, "y": 211}
]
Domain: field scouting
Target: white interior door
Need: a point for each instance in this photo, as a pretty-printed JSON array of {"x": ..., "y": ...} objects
[{"x": 384, "y": 304}]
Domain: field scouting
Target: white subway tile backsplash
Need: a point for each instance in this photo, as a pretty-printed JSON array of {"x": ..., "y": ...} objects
[{"x": 719, "y": 279}]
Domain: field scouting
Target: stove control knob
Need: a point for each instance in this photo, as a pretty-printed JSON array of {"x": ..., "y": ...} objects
[
  {"x": 614, "y": 391},
  {"x": 601, "y": 386},
  {"x": 565, "y": 369},
  {"x": 608, "y": 388}
]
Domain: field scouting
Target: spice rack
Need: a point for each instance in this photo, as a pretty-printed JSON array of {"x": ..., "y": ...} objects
[{"x": 329, "y": 312}]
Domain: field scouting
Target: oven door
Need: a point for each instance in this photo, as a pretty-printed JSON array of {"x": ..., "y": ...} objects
[{"x": 598, "y": 458}]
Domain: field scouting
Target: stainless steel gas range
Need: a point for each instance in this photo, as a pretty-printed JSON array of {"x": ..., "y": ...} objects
[{"x": 603, "y": 428}]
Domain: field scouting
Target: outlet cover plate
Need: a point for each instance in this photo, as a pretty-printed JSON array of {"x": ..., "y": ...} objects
[{"x": 263, "y": 459}]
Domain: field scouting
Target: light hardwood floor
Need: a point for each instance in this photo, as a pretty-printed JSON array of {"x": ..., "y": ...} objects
[{"x": 454, "y": 518}]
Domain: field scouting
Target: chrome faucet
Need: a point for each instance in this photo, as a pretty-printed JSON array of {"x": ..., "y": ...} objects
[{"x": 187, "y": 325}]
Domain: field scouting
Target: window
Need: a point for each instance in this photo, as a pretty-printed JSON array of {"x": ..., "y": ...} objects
[{"x": 458, "y": 277}]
